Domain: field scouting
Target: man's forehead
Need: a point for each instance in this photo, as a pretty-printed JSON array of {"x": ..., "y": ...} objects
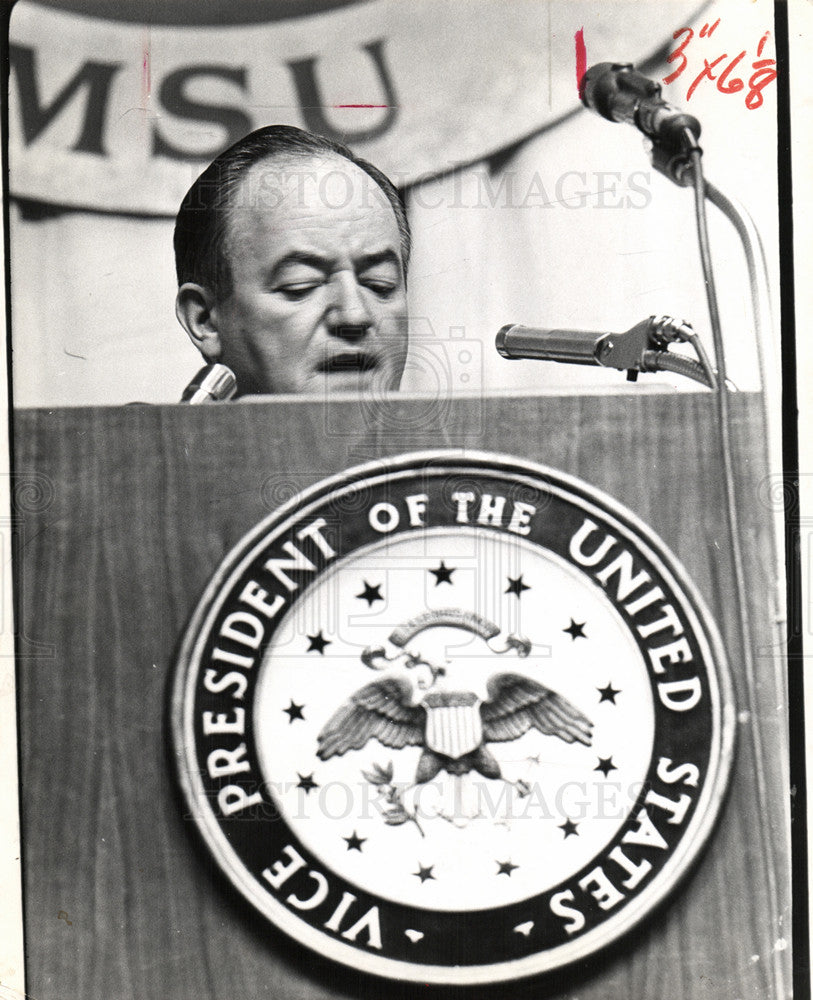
[
  {"x": 325, "y": 206},
  {"x": 288, "y": 186}
]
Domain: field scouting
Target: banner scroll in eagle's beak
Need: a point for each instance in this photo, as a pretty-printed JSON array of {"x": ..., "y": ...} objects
[{"x": 377, "y": 657}]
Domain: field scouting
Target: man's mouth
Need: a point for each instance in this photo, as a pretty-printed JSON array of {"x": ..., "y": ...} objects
[{"x": 348, "y": 362}]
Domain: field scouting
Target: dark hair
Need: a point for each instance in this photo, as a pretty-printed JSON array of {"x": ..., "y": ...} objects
[{"x": 202, "y": 221}]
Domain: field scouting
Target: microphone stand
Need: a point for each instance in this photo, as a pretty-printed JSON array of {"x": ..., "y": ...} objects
[
  {"x": 679, "y": 157},
  {"x": 617, "y": 92},
  {"x": 762, "y": 313},
  {"x": 703, "y": 192}
]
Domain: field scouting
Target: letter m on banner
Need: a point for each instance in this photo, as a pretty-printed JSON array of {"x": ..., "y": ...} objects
[{"x": 94, "y": 78}]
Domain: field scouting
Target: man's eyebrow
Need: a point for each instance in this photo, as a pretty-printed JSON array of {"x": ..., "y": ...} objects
[
  {"x": 362, "y": 263},
  {"x": 369, "y": 260},
  {"x": 301, "y": 257}
]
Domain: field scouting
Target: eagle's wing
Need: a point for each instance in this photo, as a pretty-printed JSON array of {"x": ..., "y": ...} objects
[
  {"x": 381, "y": 710},
  {"x": 517, "y": 704}
]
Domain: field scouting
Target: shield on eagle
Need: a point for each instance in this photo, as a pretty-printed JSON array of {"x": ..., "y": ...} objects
[{"x": 453, "y": 723}]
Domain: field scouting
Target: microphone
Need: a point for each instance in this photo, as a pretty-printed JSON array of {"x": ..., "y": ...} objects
[
  {"x": 642, "y": 348},
  {"x": 212, "y": 384},
  {"x": 619, "y": 93},
  {"x": 578, "y": 347}
]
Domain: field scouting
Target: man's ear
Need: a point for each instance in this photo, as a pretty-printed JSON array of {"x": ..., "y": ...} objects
[{"x": 197, "y": 314}]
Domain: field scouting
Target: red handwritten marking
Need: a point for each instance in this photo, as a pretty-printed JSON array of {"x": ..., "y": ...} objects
[
  {"x": 360, "y": 105},
  {"x": 736, "y": 84},
  {"x": 679, "y": 53},
  {"x": 764, "y": 69},
  {"x": 705, "y": 72},
  {"x": 764, "y": 75},
  {"x": 146, "y": 75},
  {"x": 581, "y": 60}
]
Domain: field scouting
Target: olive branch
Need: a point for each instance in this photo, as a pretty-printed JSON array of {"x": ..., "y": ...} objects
[{"x": 395, "y": 812}]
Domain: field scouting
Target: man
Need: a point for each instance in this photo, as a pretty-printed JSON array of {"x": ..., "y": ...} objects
[{"x": 291, "y": 255}]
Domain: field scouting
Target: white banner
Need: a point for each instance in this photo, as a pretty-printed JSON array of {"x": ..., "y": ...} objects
[{"x": 121, "y": 116}]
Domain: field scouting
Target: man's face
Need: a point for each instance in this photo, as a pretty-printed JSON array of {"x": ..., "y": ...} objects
[{"x": 318, "y": 300}]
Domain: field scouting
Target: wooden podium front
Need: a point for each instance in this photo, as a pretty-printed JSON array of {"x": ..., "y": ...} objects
[{"x": 122, "y": 516}]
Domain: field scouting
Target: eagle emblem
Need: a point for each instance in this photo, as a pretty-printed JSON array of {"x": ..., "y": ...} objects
[{"x": 452, "y": 727}]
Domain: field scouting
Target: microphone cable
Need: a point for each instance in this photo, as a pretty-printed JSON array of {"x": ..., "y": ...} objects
[
  {"x": 732, "y": 516},
  {"x": 720, "y": 392}
]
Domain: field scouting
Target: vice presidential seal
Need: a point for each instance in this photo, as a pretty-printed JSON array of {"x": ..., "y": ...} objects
[{"x": 453, "y": 720}]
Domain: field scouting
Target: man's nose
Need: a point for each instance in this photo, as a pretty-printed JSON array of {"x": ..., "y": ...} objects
[{"x": 349, "y": 316}]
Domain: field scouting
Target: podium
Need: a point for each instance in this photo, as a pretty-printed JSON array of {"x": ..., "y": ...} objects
[{"x": 121, "y": 516}]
